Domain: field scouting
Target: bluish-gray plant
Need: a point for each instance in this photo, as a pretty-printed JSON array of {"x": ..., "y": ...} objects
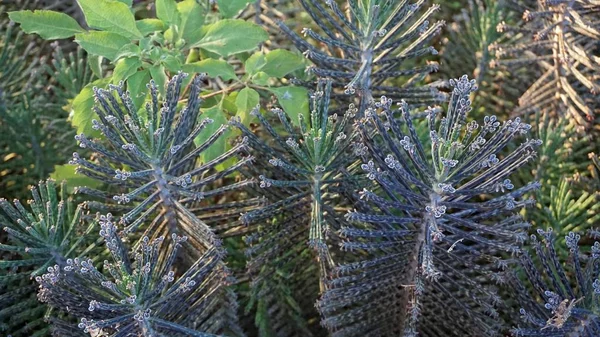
[
  {"x": 442, "y": 218},
  {"x": 310, "y": 157},
  {"x": 301, "y": 178},
  {"x": 51, "y": 231},
  {"x": 370, "y": 43},
  {"x": 558, "y": 297},
  {"x": 151, "y": 158},
  {"x": 142, "y": 294}
]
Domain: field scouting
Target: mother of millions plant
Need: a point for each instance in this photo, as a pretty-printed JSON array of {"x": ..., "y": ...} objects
[
  {"x": 433, "y": 217},
  {"x": 430, "y": 242},
  {"x": 305, "y": 165},
  {"x": 561, "y": 38},
  {"x": 364, "y": 47},
  {"x": 52, "y": 231},
  {"x": 151, "y": 160}
]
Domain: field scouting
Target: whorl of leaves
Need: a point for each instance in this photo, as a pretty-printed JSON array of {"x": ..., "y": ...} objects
[
  {"x": 35, "y": 133},
  {"x": 69, "y": 73},
  {"x": 302, "y": 170},
  {"x": 430, "y": 237},
  {"x": 151, "y": 158},
  {"x": 19, "y": 60},
  {"x": 52, "y": 231},
  {"x": 558, "y": 297},
  {"x": 366, "y": 45},
  {"x": 561, "y": 37},
  {"x": 466, "y": 51},
  {"x": 305, "y": 161},
  {"x": 567, "y": 200},
  {"x": 140, "y": 294}
]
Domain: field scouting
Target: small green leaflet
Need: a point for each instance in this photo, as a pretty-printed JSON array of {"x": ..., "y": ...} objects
[
  {"x": 149, "y": 26},
  {"x": 281, "y": 62},
  {"x": 231, "y": 36},
  {"x": 160, "y": 78},
  {"x": 246, "y": 100},
  {"x": 83, "y": 104},
  {"x": 255, "y": 63},
  {"x": 105, "y": 44},
  {"x": 229, "y": 8},
  {"x": 294, "y": 101},
  {"x": 136, "y": 85},
  {"x": 112, "y": 16},
  {"x": 260, "y": 78},
  {"x": 166, "y": 10},
  {"x": 214, "y": 68},
  {"x": 67, "y": 172},
  {"x": 192, "y": 18},
  {"x": 129, "y": 50},
  {"x": 125, "y": 68},
  {"x": 220, "y": 145},
  {"x": 95, "y": 64},
  {"x": 49, "y": 25}
]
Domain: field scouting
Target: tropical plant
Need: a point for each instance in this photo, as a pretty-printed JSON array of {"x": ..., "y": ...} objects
[
  {"x": 561, "y": 39},
  {"x": 306, "y": 165},
  {"x": 141, "y": 295},
  {"x": 54, "y": 230},
  {"x": 35, "y": 134},
  {"x": 467, "y": 51},
  {"x": 428, "y": 224},
  {"x": 366, "y": 45},
  {"x": 225, "y": 185},
  {"x": 563, "y": 299}
]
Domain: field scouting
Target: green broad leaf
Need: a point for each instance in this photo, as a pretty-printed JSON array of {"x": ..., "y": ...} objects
[
  {"x": 67, "y": 172},
  {"x": 49, "y": 25},
  {"x": 95, "y": 63},
  {"x": 127, "y": 2},
  {"x": 293, "y": 100},
  {"x": 246, "y": 100},
  {"x": 136, "y": 85},
  {"x": 128, "y": 50},
  {"x": 149, "y": 26},
  {"x": 105, "y": 44},
  {"x": 125, "y": 68},
  {"x": 110, "y": 15},
  {"x": 260, "y": 78},
  {"x": 83, "y": 105},
  {"x": 231, "y": 36},
  {"x": 211, "y": 101},
  {"x": 160, "y": 78},
  {"x": 205, "y": 54},
  {"x": 220, "y": 145},
  {"x": 166, "y": 10},
  {"x": 192, "y": 18},
  {"x": 230, "y": 8},
  {"x": 228, "y": 103},
  {"x": 172, "y": 63},
  {"x": 214, "y": 68},
  {"x": 281, "y": 62},
  {"x": 172, "y": 34},
  {"x": 255, "y": 63}
]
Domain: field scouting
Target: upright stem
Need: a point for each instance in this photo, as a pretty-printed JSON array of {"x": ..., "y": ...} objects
[
  {"x": 168, "y": 205},
  {"x": 364, "y": 83}
]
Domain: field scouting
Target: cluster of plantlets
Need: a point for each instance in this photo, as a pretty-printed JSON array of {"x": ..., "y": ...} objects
[{"x": 221, "y": 190}]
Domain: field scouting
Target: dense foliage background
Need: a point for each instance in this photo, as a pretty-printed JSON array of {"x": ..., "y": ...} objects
[{"x": 299, "y": 168}]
